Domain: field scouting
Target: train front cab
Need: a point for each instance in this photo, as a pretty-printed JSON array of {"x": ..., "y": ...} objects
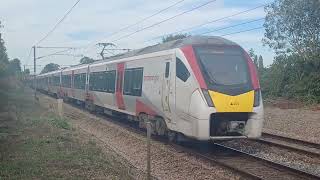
[{"x": 229, "y": 104}]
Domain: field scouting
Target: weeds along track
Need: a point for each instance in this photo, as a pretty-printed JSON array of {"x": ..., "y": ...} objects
[
  {"x": 247, "y": 165},
  {"x": 305, "y": 147}
]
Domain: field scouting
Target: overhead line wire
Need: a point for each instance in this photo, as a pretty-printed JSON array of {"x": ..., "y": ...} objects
[
  {"x": 227, "y": 27},
  {"x": 140, "y": 21},
  {"x": 52, "y": 54},
  {"x": 260, "y": 27},
  {"x": 210, "y": 22},
  {"x": 160, "y": 22},
  {"x": 59, "y": 22},
  {"x": 222, "y": 18}
]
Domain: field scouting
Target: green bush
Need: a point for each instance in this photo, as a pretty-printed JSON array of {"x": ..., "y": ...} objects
[{"x": 292, "y": 77}]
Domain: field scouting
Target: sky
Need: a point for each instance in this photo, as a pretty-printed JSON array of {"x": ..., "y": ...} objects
[{"x": 93, "y": 21}]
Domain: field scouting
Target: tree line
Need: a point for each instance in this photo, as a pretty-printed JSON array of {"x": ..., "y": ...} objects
[
  {"x": 8, "y": 67},
  {"x": 292, "y": 30}
]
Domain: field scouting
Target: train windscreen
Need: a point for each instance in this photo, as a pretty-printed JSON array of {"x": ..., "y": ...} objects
[{"x": 225, "y": 67}]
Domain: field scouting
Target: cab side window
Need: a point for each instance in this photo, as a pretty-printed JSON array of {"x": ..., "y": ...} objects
[{"x": 181, "y": 70}]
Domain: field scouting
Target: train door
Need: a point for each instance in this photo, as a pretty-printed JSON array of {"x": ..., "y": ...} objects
[
  {"x": 168, "y": 90},
  {"x": 183, "y": 88}
]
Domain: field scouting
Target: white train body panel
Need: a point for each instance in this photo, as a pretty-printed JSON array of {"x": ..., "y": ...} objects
[{"x": 176, "y": 84}]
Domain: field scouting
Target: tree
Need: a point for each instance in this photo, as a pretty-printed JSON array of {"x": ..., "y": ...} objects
[
  {"x": 255, "y": 60},
  {"x": 14, "y": 67},
  {"x": 293, "y": 31},
  {"x": 4, "y": 60},
  {"x": 253, "y": 56},
  {"x": 174, "y": 37},
  {"x": 50, "y": 67},
  {"x": 86, "y": 60},
  {"x": 293, "y": 27},
  {"x": 251, "y": 53},
  {"x": 260, "y": 64}
]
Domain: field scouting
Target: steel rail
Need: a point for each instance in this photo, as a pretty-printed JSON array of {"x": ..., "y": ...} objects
[{"x": 301, "y": 146}]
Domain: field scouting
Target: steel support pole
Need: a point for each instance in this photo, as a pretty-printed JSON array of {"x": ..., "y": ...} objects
[
  {"x": 34, "y": 70},
  {"x": 148, "y": 150}
]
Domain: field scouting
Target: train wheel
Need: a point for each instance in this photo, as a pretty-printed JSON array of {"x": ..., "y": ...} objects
[
  {"x": 89, "y": 106},
  {"x": 142, "y": 119},
  {"x": 160, "y": 126},
  {"x": 172, "y": 136}
]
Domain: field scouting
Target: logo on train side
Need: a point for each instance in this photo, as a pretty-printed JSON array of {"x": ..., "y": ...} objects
[
  {"x": 234, "y": 103},
  {"x": 151, "y": 78}
]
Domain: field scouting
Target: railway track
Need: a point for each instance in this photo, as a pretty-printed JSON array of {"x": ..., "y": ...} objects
[
  {"x": 257, "y": 166},
  {"x": 305, "y": 147},
  {"x": 245, "y": 164}
]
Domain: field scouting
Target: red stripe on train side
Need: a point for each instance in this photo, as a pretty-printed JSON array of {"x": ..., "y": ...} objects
[
  {"x": 119, "y": 96},
  {"x": 190, "y": 55},
  {"x": 143, "y": 108},
  {"x": 253, "y": 72}
]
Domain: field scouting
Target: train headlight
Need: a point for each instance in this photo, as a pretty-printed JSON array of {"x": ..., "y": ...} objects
[
  {"x": 207, "y": 97},
  {"x": 256, "y": 98}
]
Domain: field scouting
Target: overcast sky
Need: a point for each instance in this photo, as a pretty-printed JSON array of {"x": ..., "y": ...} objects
[{"x": 26, "y": 22}]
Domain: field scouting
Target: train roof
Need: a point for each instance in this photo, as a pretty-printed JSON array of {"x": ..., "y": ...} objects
[{"x": 191, "y": 40}]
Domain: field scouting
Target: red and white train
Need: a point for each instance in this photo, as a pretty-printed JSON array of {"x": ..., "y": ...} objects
[{"x": 201, "y": 87}]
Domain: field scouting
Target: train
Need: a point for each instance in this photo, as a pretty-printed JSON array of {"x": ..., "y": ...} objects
[{"x": 200, "y": 87}]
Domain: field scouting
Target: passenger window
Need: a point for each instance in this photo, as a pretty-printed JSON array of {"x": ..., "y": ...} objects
[
  {"x": 133, "y": 81},
  {"x": 182, "y": 71},
  {"x": 103, "y": 81},
  {"x": 167, "y": 69}
]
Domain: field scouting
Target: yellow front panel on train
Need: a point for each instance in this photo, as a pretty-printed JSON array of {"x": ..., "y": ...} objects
[{"x": 227, "y": 103}]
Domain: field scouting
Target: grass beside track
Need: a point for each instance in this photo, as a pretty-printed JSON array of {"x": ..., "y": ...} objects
[{"x": 36, "y": 144}]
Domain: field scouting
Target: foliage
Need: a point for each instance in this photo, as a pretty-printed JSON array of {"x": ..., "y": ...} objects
[
  {"x": 293, "y": 31},
  {"x": 50, "y": 67},
  {"x": 260, "y": 65},
  {"x": 292, "y": 77},
  {"x": 4, "y": 60},
  {"x": 7, "y": 67},
  {"x": 253, "y": 56},
  {"x": 59, "y": 123},
  {"x": 38, "y": 144},
  {"x": 86, "y": 60},
  {"x": 174, "y": 37},
  {"x": 293, "y": 27},
  {"x": 14, "y": 67}
]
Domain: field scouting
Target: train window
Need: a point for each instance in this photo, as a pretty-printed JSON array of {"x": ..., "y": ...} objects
[
  {"x": 66, "y": 81},
  {"x": 111, "y": 80},
  {"x": 225, "y": 67},
  {"x": 80, "y": 81},
  {"x": 182, "y": 71},
  {"x": 167, "y": 69},
  {"x": 56, "y": 81},
  {"x": 133, "y": 81},
  {"x": 103, "y": 81}
]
